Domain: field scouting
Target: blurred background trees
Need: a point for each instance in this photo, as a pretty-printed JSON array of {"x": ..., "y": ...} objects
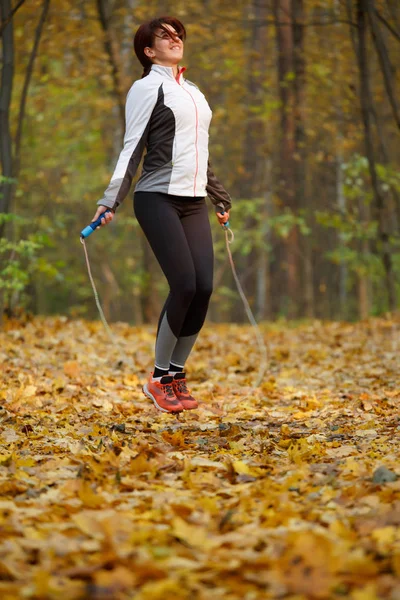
[{"x": 305, "y": 136}]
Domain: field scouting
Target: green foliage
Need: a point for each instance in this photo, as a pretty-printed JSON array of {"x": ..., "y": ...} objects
[
  {"x": 357, "y": 238},
  {"x": 284, "y": 223},
  {"x": 20, "y": 260},
  {"x": 348, "y": 225}
]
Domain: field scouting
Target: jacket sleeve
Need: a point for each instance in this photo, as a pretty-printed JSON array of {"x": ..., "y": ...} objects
[
  {"x": 139, "y": 106},
  {"x": 216, "y": 192}
]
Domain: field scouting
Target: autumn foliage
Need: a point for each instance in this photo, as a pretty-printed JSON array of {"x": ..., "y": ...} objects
[{"x": 290, "y": 490}]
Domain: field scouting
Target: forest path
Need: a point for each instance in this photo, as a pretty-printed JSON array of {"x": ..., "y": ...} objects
[{"x": 291, "y": 490}]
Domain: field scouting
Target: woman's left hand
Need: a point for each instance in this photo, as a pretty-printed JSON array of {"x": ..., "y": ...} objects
[{"x": 223, "y": 218}]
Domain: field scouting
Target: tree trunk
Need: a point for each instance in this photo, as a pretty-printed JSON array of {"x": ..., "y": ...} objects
[
  {"x": 7, "y": 75},
  {"x": 366, "y": 106},
  {"x": 24, "y": 94},
  {"x": 103, "y": 8},
  {"x": 341, "y": 202},
  {"x": 9, "y": 16},
  {"x": 364, "y": 286},
  {"x": 300, "y": 151},
  {"x": 387, "y": 68},
  {"x": 253, "y": 180},
  {"x": 389, "y": 77},
  {"x": 263, "y": 285},
  {"x": 287, "y": 168}
]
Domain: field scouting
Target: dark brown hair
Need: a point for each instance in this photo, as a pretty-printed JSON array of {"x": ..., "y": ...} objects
[{"x": 144, "y": 37}]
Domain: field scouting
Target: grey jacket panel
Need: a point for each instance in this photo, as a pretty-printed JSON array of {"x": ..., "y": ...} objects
[{"x": 155, "y": 181}]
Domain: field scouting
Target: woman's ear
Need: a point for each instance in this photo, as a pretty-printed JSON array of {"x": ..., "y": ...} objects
[{"x": 149, "y": 52}]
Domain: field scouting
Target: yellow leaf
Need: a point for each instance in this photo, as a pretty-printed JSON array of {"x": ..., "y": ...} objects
[
  {"x": 300, "y": 450},
  {"x": 200, "y": 461},
  {"x": 29, "y": 391},
  {"x": 88, "y": 524},
  {"x": 131, "y": 380},
  {"x": 72, "y": 369},
  {"x": 42, "y": 583},
  {"x": 242, "y": 468},
  {"x": 192, "y": 535},
  {"x": 25, "y": 462},
  {"x": 119, "y": 578},
  {"x": 166, "y": 589},
  {"x": 175, "y": 439},
  {"x": 396, "y": 563},
  {"x": 88, "y": 496},
  {"x": 139, "y": 464},
  {"x": 384, "y": 537},
  {"x": 366, "y": 593},
  {"x": 359, "y": 563},
  {"x": 181, "y": 510}
]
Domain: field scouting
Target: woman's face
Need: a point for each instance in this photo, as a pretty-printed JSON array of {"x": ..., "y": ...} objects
[{"x": 167, "y": 50}]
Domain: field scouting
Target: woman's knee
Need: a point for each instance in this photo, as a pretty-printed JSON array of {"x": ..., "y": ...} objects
[
  {"x": 204, "y": 289},
  {"x": 185, "y": 291}
]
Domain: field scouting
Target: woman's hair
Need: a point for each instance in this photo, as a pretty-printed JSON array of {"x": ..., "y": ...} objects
[{"x": 144, "y": 37}]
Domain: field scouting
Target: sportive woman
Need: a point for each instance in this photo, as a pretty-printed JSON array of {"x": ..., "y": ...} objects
[{"x": 170, "y": 117}]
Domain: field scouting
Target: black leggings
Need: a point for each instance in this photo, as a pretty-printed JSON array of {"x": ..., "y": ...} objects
[{"x": 178, "y": 230}]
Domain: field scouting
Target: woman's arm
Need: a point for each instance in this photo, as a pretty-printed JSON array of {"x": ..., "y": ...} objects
[
  {"x": 216, "y": 192},
  {"x": 140, "y": 102}
]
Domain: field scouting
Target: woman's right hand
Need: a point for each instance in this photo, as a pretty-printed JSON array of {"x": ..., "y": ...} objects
[{"x": 107, "y": 218}]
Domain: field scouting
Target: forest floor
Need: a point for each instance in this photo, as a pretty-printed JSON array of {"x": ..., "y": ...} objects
[{"x": 290, "y": 490}]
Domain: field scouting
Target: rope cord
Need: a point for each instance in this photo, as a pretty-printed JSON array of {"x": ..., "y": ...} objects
[
  {"x": 96, "y": 297},
  {"x": 260, "y": 341}
]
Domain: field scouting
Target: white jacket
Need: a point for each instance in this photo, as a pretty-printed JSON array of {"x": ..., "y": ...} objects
[{"x": 169, "y": 117}]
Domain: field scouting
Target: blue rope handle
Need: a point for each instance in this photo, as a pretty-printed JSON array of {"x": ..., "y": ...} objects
[
  {"x": 93, "y": 225},
  {"x": 226, "y": 225}
]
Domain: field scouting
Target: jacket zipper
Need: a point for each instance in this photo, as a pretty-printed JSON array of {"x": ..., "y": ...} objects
[{"x": 197, "y": 132}]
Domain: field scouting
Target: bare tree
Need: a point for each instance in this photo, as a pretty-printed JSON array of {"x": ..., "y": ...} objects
[
  {"x": 387, "y": 68},
  {"x": 255, "y": 181},
  {"x": 11, "y": 162},
  {"x": 7, "y": 75},
  {"x": 366, "y": 110},
  {"x": 300, "y": 148},
  {"x": 24, "y": 94},
  {"x": 7, "y": 19},
  {"x": 104, "y": 10},
  {"x": 290, "y": 132}
]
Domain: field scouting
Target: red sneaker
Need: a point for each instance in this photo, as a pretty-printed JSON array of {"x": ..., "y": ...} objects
[
  {"x": 182, "y": 392},
  {"x": 162, "y": 394}
]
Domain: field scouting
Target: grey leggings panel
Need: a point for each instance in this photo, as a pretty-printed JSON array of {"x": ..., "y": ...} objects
[{"x": 178, "y": 230}]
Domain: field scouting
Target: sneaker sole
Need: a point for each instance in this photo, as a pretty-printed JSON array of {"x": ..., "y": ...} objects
[{"x": 150, "y": 395}]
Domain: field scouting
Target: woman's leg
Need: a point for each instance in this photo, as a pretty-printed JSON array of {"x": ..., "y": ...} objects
[
  {"x": 197, "y": 230},
  {"x": 161, "y": 219}
]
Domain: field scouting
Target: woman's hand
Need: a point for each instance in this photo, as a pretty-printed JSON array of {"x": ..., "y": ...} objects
[
  {"x": 107, "y": 218},
  {"x": 223, "y": 218}
]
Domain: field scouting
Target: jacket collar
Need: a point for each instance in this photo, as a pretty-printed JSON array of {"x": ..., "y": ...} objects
[{"x": 169, "y": 72}]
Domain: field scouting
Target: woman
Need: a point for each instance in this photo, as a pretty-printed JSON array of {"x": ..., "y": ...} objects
[{"x": 170, "y": 117}]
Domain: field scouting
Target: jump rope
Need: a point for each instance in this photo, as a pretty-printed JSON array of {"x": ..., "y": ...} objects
[{"x": 228, "y": 232}]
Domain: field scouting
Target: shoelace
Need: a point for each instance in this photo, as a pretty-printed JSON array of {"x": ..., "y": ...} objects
[
  {"x": 181, "y": 385},
  {"x": 168, "y": 390}
]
